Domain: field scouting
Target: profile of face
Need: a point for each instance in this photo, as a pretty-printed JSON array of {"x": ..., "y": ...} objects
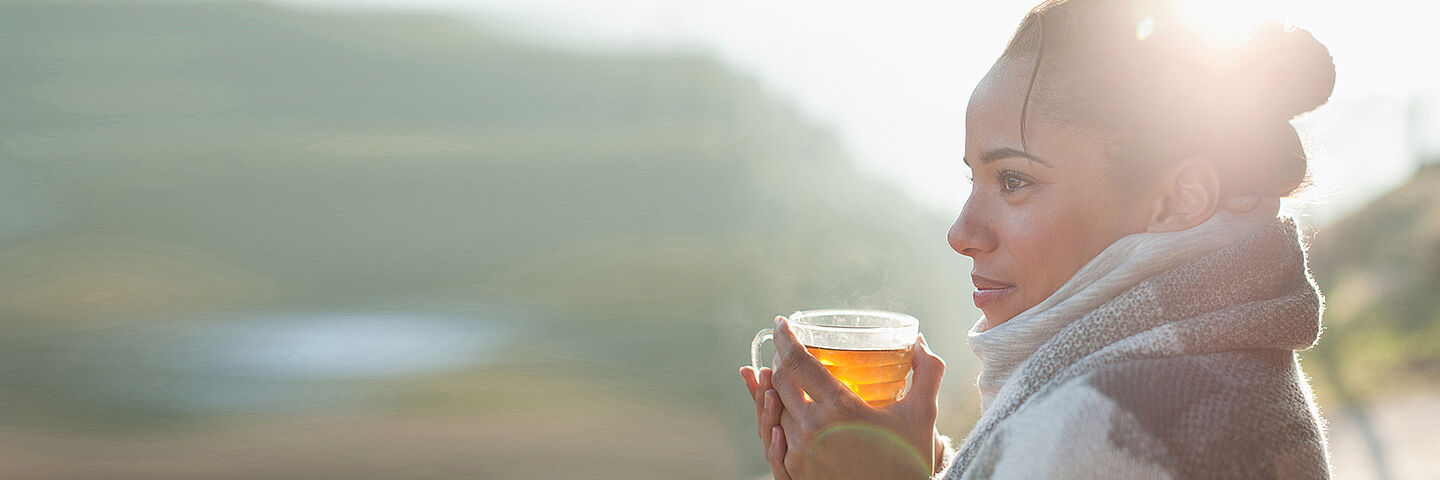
[
  {"x": 1046, "y": 202},
  {"x": 1038, "y": 212}
]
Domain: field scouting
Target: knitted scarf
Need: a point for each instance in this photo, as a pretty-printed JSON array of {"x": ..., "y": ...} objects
[{"x": 1168, "y": 355}]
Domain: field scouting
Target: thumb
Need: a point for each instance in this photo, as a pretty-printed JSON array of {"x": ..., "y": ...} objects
[{"x": 929, "y": 368}]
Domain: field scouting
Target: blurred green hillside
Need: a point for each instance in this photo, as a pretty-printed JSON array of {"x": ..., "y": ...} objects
[
  {"x": 1380, "y": 271},
  {"x": 180, "y": 171}
]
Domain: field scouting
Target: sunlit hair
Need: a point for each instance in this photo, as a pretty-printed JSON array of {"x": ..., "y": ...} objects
[{"x": 1156, "y": 88}]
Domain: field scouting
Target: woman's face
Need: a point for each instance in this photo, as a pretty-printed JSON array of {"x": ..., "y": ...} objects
[{"x": 1036, "y": 215}]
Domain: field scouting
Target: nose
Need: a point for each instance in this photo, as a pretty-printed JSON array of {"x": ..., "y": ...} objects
[{"x": 971, "y": 235}]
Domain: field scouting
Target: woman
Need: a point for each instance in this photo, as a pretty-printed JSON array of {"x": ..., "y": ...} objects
[{"x": 1143, "y": 299}]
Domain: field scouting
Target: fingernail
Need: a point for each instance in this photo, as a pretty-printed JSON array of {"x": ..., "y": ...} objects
[
  {"x": 769, "y": 399},
  {"x": 777, "y": 320},
  {"x": 774, "y": 435}
]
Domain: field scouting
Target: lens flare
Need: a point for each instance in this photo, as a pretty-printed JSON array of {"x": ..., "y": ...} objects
[{"x": 879, "y": 438}]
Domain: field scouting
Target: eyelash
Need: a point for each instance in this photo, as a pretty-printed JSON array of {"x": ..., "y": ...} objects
[{"x": 1004, "y": 177}]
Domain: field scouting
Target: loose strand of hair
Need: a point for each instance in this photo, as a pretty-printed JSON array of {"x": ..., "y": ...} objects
[{"x": 1034, "y": 72}]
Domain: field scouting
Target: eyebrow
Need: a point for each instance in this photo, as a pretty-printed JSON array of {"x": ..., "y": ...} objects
[{"x": 1007, "y": 152}]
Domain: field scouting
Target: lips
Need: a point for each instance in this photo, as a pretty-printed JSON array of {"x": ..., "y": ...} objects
[{"x": 988, "y": 290}]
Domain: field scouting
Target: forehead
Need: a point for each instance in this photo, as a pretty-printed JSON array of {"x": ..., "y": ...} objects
[
  {"x": 992, "y": 121},
  {"x": 993, "y": 115}
]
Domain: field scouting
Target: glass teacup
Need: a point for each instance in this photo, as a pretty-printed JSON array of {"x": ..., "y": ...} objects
[{"x": 869, "y": 351}]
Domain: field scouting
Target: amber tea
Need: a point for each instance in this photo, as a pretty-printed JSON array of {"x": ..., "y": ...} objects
[
  {"x": 868, "y": 351},
  {"x": 876, "y": 376}
]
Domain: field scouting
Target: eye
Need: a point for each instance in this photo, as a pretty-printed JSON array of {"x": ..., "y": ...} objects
[{"x": 1012, "y": 181}]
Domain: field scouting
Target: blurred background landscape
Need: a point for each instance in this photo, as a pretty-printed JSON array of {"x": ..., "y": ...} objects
[{"x": 310, "y": 240}]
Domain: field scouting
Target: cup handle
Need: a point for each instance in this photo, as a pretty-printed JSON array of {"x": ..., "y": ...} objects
[{"x": 760, "y": 338}]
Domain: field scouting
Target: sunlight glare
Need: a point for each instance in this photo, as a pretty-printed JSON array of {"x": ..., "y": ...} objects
[
  {"x": 1227, "y": 23},
  {"x": 1145, "y": 28}
]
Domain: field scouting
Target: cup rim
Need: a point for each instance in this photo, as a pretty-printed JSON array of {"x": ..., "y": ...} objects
[{"x": 905, "y": 321}]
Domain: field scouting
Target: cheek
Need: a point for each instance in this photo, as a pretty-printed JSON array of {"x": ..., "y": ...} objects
[
  {"x": 1048, "y": 250},
  {"x": 1050, "y": 245}
]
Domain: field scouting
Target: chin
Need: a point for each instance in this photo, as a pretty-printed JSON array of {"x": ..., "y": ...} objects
[{"x": 996, "y": 316}]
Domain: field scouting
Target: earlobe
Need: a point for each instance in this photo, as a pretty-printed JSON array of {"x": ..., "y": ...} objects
[{"x": 1189, "y": 193}]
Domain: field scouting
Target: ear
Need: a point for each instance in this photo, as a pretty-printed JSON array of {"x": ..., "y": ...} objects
[{"x": 1187, "y": 195}]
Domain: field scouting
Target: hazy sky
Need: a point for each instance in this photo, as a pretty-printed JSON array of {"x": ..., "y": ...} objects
[{"x": 893, "y": 77}]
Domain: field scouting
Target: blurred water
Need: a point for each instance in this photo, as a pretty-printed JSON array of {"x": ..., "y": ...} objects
[
  {"x": 336, "y": 345},
  {"x": 271, "y": 362}
]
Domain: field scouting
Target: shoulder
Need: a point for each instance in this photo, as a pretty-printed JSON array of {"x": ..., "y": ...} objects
[
  {"x": 1234, "y": 378},
  {"x": 1221, "y": 414}
]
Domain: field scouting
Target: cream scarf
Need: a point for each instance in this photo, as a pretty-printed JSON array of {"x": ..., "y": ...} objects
[{"x": 1168, "y": 355}]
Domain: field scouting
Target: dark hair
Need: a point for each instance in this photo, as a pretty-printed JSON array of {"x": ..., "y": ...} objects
[{"x": 1160, "y": 97}]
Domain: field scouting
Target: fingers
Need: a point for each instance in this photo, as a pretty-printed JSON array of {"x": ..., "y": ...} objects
[
  {"x": 747, "y": 374},
  {"x": 790, "y": 393},
  {"x": 929, "y": 369},
  {"x": 775, "y": 454},
  {"x": 770, "y": 417},
  {"x": 760, "y": 389},
  {"x": 804, "y": 370}
]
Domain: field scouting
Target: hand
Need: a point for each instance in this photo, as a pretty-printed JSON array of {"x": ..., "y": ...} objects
[
  {"x": 835, "y": 435},
  {"x": 767, "y": 414}
]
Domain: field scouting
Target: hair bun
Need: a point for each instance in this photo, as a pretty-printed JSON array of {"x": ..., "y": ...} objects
[{"x": 1291, "y": 72}]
